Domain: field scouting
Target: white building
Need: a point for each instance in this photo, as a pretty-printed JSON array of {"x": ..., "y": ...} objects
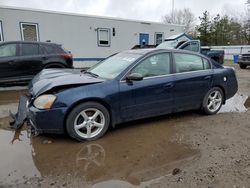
[{"x": 89, "y": 38}]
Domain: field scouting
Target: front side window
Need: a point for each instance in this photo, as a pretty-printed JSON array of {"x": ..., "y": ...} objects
[
  {"x": 30, "y": 49},
  {"x": 8, "y": 50},
  {"x": 191, "y": 46},
  {"x": 1, "y": 31},
  {"x": 187, "y": 63},
  {"x": 103, "y": 37},
  {"x": 155, "y": 65},
  {"x": 29, "y": 31}
]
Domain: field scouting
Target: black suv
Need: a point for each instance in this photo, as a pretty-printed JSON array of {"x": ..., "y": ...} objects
[{"x": 20, "y": 61}]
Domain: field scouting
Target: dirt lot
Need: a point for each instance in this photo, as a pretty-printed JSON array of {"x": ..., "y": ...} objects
[{"x": 181, "y": 150}]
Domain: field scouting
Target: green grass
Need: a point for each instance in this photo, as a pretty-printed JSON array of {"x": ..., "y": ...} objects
[{"x": 228, "y": 62}]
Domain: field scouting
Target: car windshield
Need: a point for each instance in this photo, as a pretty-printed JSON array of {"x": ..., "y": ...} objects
[
  {"x": 114, "y": 65},
  {"x": 168, "y": 44}
]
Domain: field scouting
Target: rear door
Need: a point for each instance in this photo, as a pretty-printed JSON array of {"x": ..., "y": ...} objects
[
  {"x": 192, "y": 80},
  {"x": 8, "y": 59},
  {"x": 31, "y": 59}
]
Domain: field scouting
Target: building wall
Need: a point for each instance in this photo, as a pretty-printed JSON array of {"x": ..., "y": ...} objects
[{"x": 78, "y": 33}]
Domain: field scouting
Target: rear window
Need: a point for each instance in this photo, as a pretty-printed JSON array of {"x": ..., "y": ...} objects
[{"x": 30, "y": 49}]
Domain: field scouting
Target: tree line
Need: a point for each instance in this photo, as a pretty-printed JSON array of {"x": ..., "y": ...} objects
[{"x": 213, "y": 30}]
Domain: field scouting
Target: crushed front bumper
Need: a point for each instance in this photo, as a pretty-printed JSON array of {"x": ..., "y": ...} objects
[
  {"x": 20, "y": 117},
  {"x": 40, "y": 121}
]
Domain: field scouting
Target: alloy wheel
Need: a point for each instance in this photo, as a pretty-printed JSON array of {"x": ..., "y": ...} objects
[
  {"x": 89, "y": 123},
  {"x": 214, "y": 101}
]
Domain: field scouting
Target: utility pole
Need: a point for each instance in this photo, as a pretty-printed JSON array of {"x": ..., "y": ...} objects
[{"x": 173, "y": 11}]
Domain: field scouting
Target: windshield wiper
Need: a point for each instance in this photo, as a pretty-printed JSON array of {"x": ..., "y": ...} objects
[{"x": 92, "y": 74}]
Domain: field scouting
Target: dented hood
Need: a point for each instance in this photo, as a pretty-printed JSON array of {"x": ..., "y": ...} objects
[{"x": 51, "y": 78}]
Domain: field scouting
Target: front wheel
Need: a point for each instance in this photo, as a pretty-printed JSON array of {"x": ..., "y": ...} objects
[
  {"x": 213, "y": 100},
  {"x": 88, "y": 121}
]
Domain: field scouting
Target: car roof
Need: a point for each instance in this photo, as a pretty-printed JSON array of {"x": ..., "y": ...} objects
[
  {"x": 148, "y": 51},
  {"x": 28, "y": 42}
]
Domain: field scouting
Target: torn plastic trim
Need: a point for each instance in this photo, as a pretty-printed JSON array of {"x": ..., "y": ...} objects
[{"x": 19, "y": 118}]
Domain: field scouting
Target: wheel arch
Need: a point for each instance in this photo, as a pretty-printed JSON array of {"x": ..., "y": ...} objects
[
  {"x": 224, "y": 92},
  {"x": 54, "y": 63},
  {"x": 97, "y": 100}
]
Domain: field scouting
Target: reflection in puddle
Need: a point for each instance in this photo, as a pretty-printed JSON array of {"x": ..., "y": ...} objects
[
  {"x": 16, "y": 164},
  {"x": 238, "y": 103},
  {"x": 132, "y": 155}
]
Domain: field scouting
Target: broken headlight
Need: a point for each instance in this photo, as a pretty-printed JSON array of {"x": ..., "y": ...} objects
[{"x": 44, "y": 101}]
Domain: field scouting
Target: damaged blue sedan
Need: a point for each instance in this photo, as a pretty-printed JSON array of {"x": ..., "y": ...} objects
[{"x": 127, "y": 86}]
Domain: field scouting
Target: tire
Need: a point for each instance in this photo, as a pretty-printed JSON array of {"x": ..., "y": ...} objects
[
  {"x": 213, "y": 101},
  {"x": 243, "y": 66},
  {"x": 88, "y": 121}
]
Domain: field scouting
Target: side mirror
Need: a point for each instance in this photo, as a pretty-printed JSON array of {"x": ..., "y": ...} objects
[{"x": 134, "y": 77}]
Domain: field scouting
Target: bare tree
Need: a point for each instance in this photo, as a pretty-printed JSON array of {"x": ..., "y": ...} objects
[{"x": 183, "y": 17}]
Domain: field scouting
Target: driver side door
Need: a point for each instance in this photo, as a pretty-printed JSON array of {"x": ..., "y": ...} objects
[{"x": 151, "y": 96}]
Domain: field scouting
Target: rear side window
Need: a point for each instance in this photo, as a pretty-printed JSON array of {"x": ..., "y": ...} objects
[
  {"x": 8, "y": 50},
  {"x": 188, "y": 63},
  {"x": 53, "y": 49},
  {"x": 30, "y": 49}
]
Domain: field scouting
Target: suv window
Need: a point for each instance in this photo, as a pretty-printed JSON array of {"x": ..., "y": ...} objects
[
  {"x": 49, "y": 49},
  {"x": 8, "y": 50},
  {"x": 155, "y": 65},
  {"x": 53, "y": 49},
  {"x": 30, "y": 49},
  {"x": 188, "y": 62}
]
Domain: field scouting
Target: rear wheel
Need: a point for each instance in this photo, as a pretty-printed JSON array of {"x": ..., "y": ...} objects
[
  {"x": 88, "y": 121},
  {"x": 213, "y": 100},
  {"x": 242, "y": 66}
]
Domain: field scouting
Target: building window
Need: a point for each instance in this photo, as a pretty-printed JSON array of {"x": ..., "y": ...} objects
[
  {"x": 159, "y": 37},
  {"x": 29, "y": 31},
  {"x": 1, "y": 31},
  {"x": 103, "y": 37}
]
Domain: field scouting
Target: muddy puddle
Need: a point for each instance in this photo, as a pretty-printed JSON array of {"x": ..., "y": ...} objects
[
  {"x": 129, "y": 155},
  {"x": 10, "y": 96}
]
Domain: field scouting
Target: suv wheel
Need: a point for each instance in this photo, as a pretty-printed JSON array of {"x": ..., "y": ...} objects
[{"x": 242, "y": 66}]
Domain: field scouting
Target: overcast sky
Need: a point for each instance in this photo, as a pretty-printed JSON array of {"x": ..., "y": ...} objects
[{"x": 151, "y": 10}]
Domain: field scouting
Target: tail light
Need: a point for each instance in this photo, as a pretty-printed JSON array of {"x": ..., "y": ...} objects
[{"x": 67, "y": 56}]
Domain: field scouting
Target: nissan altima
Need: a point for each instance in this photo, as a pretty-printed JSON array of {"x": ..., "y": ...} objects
[{"x": 130, "y": 85}]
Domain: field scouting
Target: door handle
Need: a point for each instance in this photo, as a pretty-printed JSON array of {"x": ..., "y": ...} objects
[
  {"x": 207, "y": 77},
  {"x": 168, "y": 85}
]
